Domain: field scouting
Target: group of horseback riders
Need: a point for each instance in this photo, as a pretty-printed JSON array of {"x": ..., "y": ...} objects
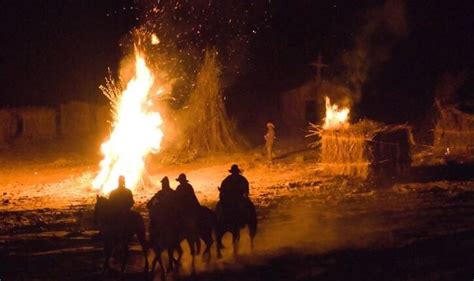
[
  {"x": 177, "y": 215},
  {"x": 234, "y": 192}
]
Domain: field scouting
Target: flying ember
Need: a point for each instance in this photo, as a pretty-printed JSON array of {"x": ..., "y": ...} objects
[
  {"x": 154, "y": 39},
  {"x": 136, "y": 131},
  {"x": 335, "y": 118}
]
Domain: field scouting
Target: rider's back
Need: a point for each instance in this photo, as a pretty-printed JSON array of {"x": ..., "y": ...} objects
[
  {"x": 186, "y": 197},
  {"x": 234, "y": 187},
  {"x": 121, "y": 199}
]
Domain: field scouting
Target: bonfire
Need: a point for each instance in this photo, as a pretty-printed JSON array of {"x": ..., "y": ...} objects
[{"x": 136, "y": 129}]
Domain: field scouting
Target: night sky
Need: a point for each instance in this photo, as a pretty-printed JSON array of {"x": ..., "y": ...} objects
[{"x": 54, "y": 51}]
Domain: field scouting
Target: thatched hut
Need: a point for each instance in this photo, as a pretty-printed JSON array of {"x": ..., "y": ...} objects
[
  {"x": 37, "y": 122},
  {"x": 299, "y": 106},
  {"x": 454, "y": 132},
  {"x": 364, "y": 147},
  {"x": 76, "y": 119},
  {"x": 9, "y": 125}
]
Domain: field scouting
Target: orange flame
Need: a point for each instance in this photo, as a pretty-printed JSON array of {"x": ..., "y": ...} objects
[
  {"x": 335, "y": 118},
  {"x": 136, "y": 132}
]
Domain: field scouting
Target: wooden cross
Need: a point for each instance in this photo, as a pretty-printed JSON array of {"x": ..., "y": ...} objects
[{"x": 319, "y": 65}]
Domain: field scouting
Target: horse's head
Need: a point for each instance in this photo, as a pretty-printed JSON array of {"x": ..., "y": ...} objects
[{"x": 101, "y": 205}]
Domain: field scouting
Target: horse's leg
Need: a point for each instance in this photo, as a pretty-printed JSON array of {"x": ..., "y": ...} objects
[
  {"x": 160, "y": 261},
  {"x": 191, "y": 244},
  {"x": 208, "y": 241},
  {"x": 252, "y": 232},
  {"x": 236, "y": 239},
  {"x": 145, "y": 247},
  {"x": 140, "y": 231},
  {"x": 219, "y": 246},
  {"x": 107, "y": 253},
  {"x": 153, "y": 264},
  {"x": 251, "y": 243},
  {"x": 145, "y": 254},
  {"x": 207, "y": 254},
  {"x": 125, "y": 258},
  {"x": 198, "y": 245},
  {"x": 171, "y": 260},
  {"x": 252, "y": 224},
  {"x": 180, "y": 253}
]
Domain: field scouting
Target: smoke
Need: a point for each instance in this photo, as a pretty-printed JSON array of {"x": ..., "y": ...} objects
[{"x": 372, "y": 46}]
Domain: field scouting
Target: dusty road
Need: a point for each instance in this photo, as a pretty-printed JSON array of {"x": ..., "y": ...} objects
[{"x": 311, "y": 227}]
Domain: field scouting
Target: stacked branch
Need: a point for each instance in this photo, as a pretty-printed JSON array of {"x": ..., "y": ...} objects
[
  {"x": 210, "y": 128},
  {"x": 454, "y": 132}
]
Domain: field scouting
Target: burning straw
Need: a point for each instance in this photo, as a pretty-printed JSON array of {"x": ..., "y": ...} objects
[{"x": 353, "y": 151}]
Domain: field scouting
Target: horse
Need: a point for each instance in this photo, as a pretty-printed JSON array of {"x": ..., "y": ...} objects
[
  {"x": 207, "y": 225},
  {"x": 118, "y": 232},
  {"x": 232, "y": 216},
  {"x": 167, "y": 233}
]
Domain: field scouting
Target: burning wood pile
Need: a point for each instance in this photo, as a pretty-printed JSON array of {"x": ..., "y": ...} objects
[
  {"x": 454, "y": 132},
  {"x": 136, "y": 128},
  {"x": 359, "y": 149}
]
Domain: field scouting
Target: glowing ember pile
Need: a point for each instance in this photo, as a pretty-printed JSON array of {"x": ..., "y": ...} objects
[
  {"x": 335, "y": 118},
  {"x": 136, "y": 132}
]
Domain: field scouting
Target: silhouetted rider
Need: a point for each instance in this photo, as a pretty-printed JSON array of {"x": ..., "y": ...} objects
[
  {"x": 189, "y": 209},
  {"x": 185, "y": 195},
  {"x": 164, "y": 198},
  {"x": 121, "y": 198},
  {"x": 235, "y": 186}
]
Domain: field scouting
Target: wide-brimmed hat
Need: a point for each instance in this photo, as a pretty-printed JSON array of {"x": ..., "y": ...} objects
[
  {"x": 235, "y": 169},
  {"x": 182, "y": 177},
  {"x": 269, "y": 124}
]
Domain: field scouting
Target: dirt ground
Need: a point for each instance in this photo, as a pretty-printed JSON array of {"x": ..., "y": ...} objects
[{"x": 311, "y": 227}]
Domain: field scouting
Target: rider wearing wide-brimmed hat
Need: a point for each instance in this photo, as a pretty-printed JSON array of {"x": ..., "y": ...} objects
[
  {"x": 188, "y": 207},
  {"x": 165, "y": 196},
  {"x": 234, "y": 186}
]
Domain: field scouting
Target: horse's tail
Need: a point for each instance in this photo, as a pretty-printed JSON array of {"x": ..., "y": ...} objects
[
  {"x": 252, "y": 219},
  {"x": 139, "y": 229},
  {"x": 208, "y": 217}
]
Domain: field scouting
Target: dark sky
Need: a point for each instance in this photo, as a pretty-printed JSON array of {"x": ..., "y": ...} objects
[
  {"x": 53, "y": 51},
  {"x": 57, "y": 50}
]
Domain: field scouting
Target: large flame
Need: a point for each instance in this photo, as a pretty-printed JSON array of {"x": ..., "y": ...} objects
[
  {"x": 136, "y": 132},
  {"x": 335, "y": 118}
]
